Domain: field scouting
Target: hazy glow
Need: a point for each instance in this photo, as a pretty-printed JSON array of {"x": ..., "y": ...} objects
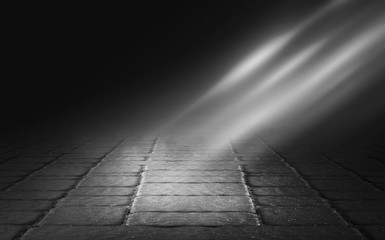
[
  {"x": 264, "y": 54},
  {"x": 279, "y": 82},
  {"x": 287, "y": 68},
  {"x": 261, "y": 87},
  {"x": 315, "y": 82},
  {"x": 257, "y": 60},
  {"x": 253, "y": 63}
]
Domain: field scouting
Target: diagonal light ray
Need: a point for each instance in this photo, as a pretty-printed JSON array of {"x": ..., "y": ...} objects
[
  {"x": 316, "y": 82},
  {"x": 276, "y": 76},
  {"x": 257, "y": 60}
]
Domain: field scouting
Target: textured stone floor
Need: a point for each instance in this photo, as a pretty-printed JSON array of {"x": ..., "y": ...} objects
[{"x": 162, "y": 187}]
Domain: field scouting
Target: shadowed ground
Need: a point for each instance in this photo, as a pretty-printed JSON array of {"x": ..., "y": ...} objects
[{"x": 126, "y": 186}]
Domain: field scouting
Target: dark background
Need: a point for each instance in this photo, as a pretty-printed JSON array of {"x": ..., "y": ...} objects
[{"x": 67, "y": 60}]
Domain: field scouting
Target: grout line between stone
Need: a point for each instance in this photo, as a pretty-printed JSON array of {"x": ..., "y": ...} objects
[
  {"x": 56, "y": 202},
  {"x": 308, "y": 184},
  {"x": 247, "y": 188},
  {"x": 28, "y": 176},
  {"x": 140, "y": 181},
  {"x": 345, "y": 168}
]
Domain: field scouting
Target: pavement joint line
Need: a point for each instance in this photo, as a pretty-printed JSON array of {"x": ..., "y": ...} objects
[
  {"x": 14, "y": 149},
  {"x": 11, "y": 158},
  {"x": 354, "y": 173},
  {"x": 257, "y": 214},
  {"x": 140, "y": 181},
  {"x": 350, "y": 224},
  {"x": 347, "y": 222},
  {"x": 192, "y": 182},
  {"x": 28, "y": 176},
  {"x": 56, "y": 202},
  {"x": 187, "y": 195},
  {"x": 200, "y": 182},
  {"x": 361, "y": 230},
  {"x": 222, "y": 211},
  {"x": 190, "y": 226},
  {"x": 134, "y": 195},
  {"x": 159, "y": 226},
  {"x": 375, "y": 158},
  {"x": 196, "y": 170},
  {"x": 347, "y": 169}
]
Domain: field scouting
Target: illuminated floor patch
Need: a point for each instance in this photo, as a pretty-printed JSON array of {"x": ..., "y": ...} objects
[{"x": 192, "y": 185}]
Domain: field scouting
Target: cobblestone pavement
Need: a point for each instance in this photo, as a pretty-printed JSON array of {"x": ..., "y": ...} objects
[{"x": 167, "y": 188}]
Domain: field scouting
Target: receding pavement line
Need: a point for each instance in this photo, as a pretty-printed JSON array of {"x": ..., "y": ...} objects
[{"x": 193, "y": 186}]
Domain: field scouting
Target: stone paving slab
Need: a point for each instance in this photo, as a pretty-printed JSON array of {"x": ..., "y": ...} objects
[
  {"x": 174, "y": 219},
  {"x": 366, "y": 217},
  {"x": 43, "y": 185},
  {"x": 62, "y": 171},
  {"x": 165, "y": 188},
  {"x": 290, "y": 201},
  {"x": 96, "y": 201},
  {"x": 177, "y": 173},
  {"x": 184, "y": 158},
  {"x": 224, "y": 189},
  {"x": 324, "y": 170},
  {"x": 276, "y": 181},
  {"x": 191, "y": 233},
  {"x": 376, "y": 232},
  {"x": 110, "y": 181},
  {"x": 113, "y": 162},
  {"x": 267, "y": 168},
  {"x": 14, "y": 173},
  {"x": 20, "y": 167},
  {"x": 191, "y": 167},
  {"x": 193, "y": 204},
  {"x": 78, "y": 160},
  {"x": 283, "y": 191},
  {"x": 6, "y": 179},
  {"x": 300, "y": 215},
  {"x": 102, "y": 191},
  {"x": 192, "y": 179},
  {"x": 360, "y": 205},
  {"x": 9, "y": 232},
  {"x": 4, "y": 186},
  {"x": 31, "y": 195},
  {"x": 86, "y": 215},
  {"x": 112, "y": 158},
  {"x": 118, "y": 169},
  {"x": 19, "y": 217},
  {"x": 23, "y": 205},
  {"x": 354, "y": 195},
  {"x": 341, "y": 185}
]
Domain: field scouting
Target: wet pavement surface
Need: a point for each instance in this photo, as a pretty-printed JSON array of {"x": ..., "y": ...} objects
[{"x": 164, "y": 187}]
